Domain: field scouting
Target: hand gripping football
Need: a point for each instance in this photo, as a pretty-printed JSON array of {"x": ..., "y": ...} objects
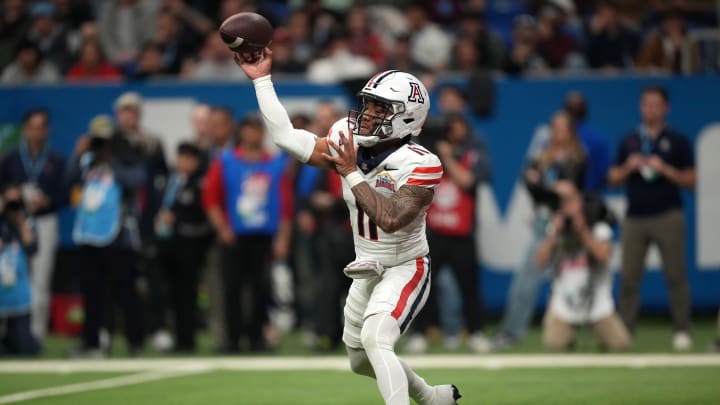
[{"x": 247, "y": 34}]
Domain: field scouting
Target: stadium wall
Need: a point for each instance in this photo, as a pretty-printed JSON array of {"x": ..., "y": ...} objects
[{"x": 521, "y": 110}]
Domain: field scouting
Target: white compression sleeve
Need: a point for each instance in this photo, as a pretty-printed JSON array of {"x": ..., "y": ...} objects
[{"x": 297, "y": 142}]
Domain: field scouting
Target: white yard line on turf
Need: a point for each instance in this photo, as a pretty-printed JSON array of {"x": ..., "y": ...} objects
[
  {"x": 160, "y": 369},
  {"x": 114, "y": 382},
  {"x": 341, "y": 363}
]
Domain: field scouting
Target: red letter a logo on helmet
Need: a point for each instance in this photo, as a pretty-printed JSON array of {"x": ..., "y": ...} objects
[{"x": 416, "y": 94}]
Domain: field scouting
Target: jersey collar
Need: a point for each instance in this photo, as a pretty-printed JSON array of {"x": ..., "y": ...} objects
[{"x": 367, "y": 162}]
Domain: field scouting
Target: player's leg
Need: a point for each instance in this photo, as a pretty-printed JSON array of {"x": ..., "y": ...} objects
[
  {"x": 395, "y": 301},
  {"x": 379, "y": 333},
  {"x": 355, "y": 306}
]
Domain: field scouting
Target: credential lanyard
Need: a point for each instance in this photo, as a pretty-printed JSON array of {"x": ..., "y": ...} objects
[{"x": 33, "y": 168}]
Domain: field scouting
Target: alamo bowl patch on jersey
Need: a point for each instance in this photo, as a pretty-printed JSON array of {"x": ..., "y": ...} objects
[{"x": 385, "y": 181}]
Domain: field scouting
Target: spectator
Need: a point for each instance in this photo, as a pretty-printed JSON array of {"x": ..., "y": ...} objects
[
  {"x": 559, "y": 49},
  {"x": 150, "y": 63},
  {"x": 14, "y": 23},
  {"x": 301, "y": 41},
  {"x": 248, "y": 199},
  {"x": 452, "y": 101},
  {"x": 38, "y": 172},
  {"x": 401, "y": 59},
  {"x": 283, "y": 61},
  {"x": 183, "y": 237},
  {"x": 595, "y": 142},
  {"x": 363, "y": 41},
  {"x": 50, "y": 36},
  {"x": 221, "y": 129},
  {"x": 321, "y": 21},
  {"x": 303, "y": 232},
  {"x": 465, "y": 58},
  {"x": 216, "y": 62},
  {"x": 200, "y": 137},
  {"x": 230, "y": 7},
  {"x": 92, "y": 65},
  {"x": 17, "y": 243},
  {"x": 29, "y": 67},
  {"x": 322, "y": 229},
  {"x": 523, "y": 56},
  {"x": 473, "y": 27},
  {"x": 655, "y": 162},
  {"x": 333, "y": 247},
  {"x": 304, "y": 261},
  {"x": 430, "y": 46},
  {"x": 443, "y": 12},
  {"x": 125, "y": 26},
  {"x": 664, "y": 49},
  {"x": 73, "y": 14},
  {"x": 106, "y": 231},
  {"x": 338, "y": 63},
  {"x": 578, "y": 245},
  {"x": 611, "y": 43},
  {"x": 194, "y": 25},
  {"x": 562, "y": 158},
  {"x": 168, "y": 36},
  {"x": 133, "y": 144},
  {"x": 451, "y": 226}
]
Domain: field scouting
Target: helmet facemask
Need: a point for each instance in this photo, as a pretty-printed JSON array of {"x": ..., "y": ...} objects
[{"x": 382, "y": 125}]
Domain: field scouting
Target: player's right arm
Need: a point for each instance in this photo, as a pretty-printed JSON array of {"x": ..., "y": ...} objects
[{"x": 303, "y": 145}]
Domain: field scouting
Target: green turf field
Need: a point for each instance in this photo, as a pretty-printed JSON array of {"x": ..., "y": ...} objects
[
  {"x": 654, "y": 335},
  {"x": 293, "y": 374},
  {"x": 678, "y": 385}
]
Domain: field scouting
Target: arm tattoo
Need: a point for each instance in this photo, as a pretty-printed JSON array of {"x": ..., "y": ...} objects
[{"x": 395, "y": 212}]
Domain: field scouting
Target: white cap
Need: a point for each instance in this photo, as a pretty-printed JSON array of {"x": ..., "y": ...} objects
[{"x": 128, "y": 99}]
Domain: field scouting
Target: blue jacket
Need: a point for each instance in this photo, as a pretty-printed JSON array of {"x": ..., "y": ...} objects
[
  {"x": 252, "y": 193},
  {"x": 15, "y": 292},
  {"x": 128, "y": 176}
]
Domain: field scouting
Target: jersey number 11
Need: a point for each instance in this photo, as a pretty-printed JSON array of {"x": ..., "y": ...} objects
[{"x": 372, "y": 233}]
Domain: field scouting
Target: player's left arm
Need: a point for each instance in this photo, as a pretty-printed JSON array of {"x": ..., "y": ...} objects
[{"x": 389, "y": 213}]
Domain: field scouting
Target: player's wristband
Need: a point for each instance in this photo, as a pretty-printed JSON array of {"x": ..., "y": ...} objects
[{"x": 354, "y": 179}]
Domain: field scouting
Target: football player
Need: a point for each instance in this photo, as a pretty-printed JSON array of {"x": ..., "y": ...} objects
[{"x": 388, "y": 183}]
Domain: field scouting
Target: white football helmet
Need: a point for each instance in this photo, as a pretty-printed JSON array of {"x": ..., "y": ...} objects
[{"x": 404, "y": 95}]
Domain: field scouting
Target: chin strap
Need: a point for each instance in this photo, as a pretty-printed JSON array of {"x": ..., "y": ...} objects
[{"x": 367, "y": 141}]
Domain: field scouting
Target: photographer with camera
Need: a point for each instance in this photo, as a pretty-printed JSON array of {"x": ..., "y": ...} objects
[
  {"x": 562, "y": 158},
  {"x": 38, "y": 170},
  {"x": 578, "y": 245},
  {"x": 107, "y": 231},
  {"x": 17, "y": 243}
]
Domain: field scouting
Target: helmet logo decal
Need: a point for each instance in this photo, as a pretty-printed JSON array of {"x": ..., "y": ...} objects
[{"x": 416, "y": 94}]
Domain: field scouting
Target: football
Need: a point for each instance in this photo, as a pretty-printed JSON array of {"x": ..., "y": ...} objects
[{"x": 247, "y": 34}]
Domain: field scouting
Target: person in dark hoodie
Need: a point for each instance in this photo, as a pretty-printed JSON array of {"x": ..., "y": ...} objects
[{"x": 184, "y": 235}]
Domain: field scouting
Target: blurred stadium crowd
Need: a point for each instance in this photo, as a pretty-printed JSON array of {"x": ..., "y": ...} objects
[
  {"x": 267, "y": 255},
  {"x": 91, "y": 40}
]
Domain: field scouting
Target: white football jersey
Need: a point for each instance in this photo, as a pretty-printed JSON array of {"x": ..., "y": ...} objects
[{"x": 411, "y": 164}]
